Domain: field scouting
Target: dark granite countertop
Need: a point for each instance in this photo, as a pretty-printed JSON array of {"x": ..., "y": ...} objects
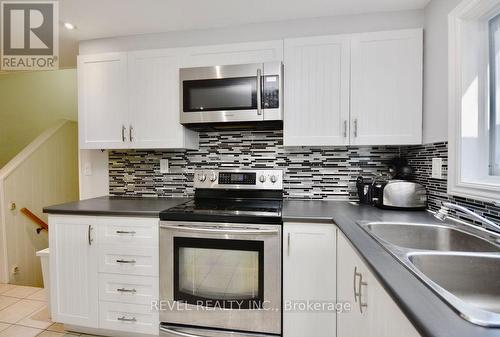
[
  {"x": 121, "y": 206},
  {"x": 429, "y": 314}
]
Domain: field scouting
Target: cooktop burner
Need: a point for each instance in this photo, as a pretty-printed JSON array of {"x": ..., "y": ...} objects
[{"x": 232, "y": 196}]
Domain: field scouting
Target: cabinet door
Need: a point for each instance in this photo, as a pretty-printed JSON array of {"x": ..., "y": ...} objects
[
  {"x": 317, "y": 91},
  {"x": 102, "y": 101},
  {"x": 353, "y": 322},
  {"x": 384, "y": 316},
  {"x": 309, "y": 274},
  {"x": 386, "y": 88},
  {"x": 235, "y": 53},
  {"x": 373, "y": 312},
  {"x": 73, "y": 271},
  {"x": 154, "y": 101}
]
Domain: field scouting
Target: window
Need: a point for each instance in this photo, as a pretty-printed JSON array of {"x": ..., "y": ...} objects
[
  {"x": 474, "y": 111},
  {"x": 494, "y": 120}
]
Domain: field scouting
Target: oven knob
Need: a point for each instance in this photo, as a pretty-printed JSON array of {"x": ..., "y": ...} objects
[
  {"x": 262, "y": 178},
  {"x": 202, "y": 177},
  {"x": 213, "y": 177},
  {"x": 273, "y": 179}
]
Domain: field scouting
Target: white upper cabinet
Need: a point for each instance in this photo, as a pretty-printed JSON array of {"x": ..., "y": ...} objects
[
  {"x": 386, "y": 88},
  {"x": 359, "y": 89},
  {"x": 102, "y": 100},
  {"x": 317, "y": 74},
  {"x": 131, "y": 100},
  {"x": 235, "y": 53},
  {"x": 154, "y": 101}
]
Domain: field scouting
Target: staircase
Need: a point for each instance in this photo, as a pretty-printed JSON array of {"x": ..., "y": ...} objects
[{"x": 43, "y": 173}]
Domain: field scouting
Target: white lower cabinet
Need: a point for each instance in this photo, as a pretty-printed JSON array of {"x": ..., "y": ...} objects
[
  {"x": 73, "y": 270},
  {"x": 129, "y": 260},
  {"x": 373, "y": 312},
  {"x": 127, "y": 288},
  {"x": 309, "y": 277},
  {"x": 128, "y": 317},
  {"x": 104, "y": 272}
]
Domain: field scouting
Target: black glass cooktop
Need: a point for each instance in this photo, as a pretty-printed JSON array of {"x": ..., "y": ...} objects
[{"x": 226, "y": 210}]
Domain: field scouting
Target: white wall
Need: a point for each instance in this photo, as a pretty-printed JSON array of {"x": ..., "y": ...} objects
[
  {"x": 260, "y": 31},
  {"x": 94, "y": 173},
  {"x": 436, "y": 70}
]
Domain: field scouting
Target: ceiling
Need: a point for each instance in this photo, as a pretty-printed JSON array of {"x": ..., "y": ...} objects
[{"x": 109, "y": 18}]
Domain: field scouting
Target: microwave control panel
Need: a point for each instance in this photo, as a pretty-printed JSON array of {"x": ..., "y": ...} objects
[{"x": 271, "y": 92}]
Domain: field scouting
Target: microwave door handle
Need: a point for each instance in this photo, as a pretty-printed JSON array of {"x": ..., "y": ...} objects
[
  {"x": 259, "y": 92},
  {"x": 221, "y": 230}
]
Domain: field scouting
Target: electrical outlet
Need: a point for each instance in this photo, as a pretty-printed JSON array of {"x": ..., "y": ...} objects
[
  {"x": 15, "y": 270},
  {"x": 163, "y": 165},
  {"x": 437, "y": 168}
]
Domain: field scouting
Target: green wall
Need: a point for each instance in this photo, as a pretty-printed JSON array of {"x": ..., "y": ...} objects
[{"x": 30, "y": 103}]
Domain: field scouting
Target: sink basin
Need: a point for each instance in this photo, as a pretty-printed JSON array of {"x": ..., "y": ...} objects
[
  {"x": 472, "y": 278},
  {"x": 429, "y": 237},
  {"x": 459, "y": 262}
]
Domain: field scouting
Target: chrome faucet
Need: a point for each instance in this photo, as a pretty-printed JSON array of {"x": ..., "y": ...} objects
[{"x": 442, "y": 214}]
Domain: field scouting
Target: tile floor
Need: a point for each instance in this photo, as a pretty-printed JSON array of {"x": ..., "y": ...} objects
[{"x": 23, "y": 313}]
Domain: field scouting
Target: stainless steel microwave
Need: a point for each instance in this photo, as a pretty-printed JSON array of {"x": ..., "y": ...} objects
[{"x": 231, "y": 93}]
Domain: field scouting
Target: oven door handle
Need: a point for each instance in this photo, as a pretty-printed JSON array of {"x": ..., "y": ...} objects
[
  {"x": 219, "y": 230},
  {"x": 175, "y": 332},
  {"x": 178, "y": 333}
]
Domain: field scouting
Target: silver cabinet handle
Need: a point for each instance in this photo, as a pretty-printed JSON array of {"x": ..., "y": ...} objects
[
  {"x": 123, "y": 133},
  {"x": 220, "y": 230},
  {"x": 356, "y": 293},
  {"x": 125, "y": 232},
  {"x": 361, "y": 303},
  {"x": 90, "y": 235},
  {"x": 259, "y": 92},
  {"x": 123, "y": 290},
  {"x": 345, "y": 128},
  {"x": 125, "y": 319},
  {"x": 131, "y": 133},
  {"x": 125, "y": 261},
  {"x": 355, "y": 127}
]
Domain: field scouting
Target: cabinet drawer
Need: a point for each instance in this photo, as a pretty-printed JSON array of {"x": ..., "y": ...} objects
[
  {"x": 128, "y": 317},
  {"x": 128, "y": 288},
  {"x": 124, "y": 231},
  {"x": 129, "y": 260}
]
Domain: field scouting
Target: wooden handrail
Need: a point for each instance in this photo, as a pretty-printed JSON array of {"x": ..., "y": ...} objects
[{"x": 35, "y": 219}]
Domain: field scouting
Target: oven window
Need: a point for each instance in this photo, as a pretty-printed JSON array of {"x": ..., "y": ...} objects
[
  {"x": 219, "y": 273},
  {"x": 220, "y": 94}
]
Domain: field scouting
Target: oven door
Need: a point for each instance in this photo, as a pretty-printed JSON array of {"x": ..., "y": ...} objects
[
  {"x": 223, "y": 276},
  {"x": 232, "y": 93}
]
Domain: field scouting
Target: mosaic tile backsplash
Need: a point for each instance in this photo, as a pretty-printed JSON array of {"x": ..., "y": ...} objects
[
  {"x": 310, "y": 173},
  {"x": 420, "y": 158}
]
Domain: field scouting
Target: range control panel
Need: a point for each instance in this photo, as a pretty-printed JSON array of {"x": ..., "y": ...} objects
[{"x": 239, "y": 179}]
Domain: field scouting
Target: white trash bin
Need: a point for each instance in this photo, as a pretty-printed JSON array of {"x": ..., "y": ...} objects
[{"x": 44, "y": 259}]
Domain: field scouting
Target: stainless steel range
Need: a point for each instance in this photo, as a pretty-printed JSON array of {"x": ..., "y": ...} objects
[{"x": 220, "y": 257}]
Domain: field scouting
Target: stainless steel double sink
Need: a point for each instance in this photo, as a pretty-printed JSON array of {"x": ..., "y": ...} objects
[{"x": 459, "y": 262}]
